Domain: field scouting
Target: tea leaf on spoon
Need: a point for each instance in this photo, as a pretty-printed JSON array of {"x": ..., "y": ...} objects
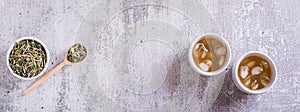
[{"x": 76, "y": 53}]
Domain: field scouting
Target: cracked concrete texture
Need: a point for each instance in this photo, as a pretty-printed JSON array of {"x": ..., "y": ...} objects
[{"x": 265, "y": 25}]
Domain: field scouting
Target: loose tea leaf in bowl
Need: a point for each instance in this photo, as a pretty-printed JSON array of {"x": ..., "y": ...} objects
[
  {"x": 27, "y": 58},
  {"x": 76, "y": 53}
]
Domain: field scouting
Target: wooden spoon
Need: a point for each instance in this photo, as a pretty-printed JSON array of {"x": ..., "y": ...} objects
[{"x": 54, "y": 70}]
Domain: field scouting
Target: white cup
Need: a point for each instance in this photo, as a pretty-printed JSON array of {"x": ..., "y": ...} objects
[
  {"x": 227, "y": 59},
  {"x": 238, "y": 82},
  {"x": 10, "y": 49}
]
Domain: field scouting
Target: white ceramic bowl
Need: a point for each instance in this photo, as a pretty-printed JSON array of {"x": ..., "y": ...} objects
[
  {"x": 10, "y": 49},
  {"x": 227, "y": 60},
  {"x": 239, "y": 84}
]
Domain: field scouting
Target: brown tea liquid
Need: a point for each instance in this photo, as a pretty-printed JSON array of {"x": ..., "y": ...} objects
[
  {"x": 209, "y": 54},
  {"x": 254, "y": 72}
]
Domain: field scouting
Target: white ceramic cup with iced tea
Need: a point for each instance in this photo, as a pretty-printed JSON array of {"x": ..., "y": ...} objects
[
  {"x": 254, "y": 73},
  {"x": 209, "y": 54}
]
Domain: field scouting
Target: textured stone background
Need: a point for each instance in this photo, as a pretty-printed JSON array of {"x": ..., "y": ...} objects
[{"x": 266, "y": 25}]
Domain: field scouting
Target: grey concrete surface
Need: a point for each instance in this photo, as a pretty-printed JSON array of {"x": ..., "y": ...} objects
[{"x": 138, "y": 54}]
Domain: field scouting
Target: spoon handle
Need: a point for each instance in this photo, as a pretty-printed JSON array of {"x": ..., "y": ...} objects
[{"x": 44, "y": 78}]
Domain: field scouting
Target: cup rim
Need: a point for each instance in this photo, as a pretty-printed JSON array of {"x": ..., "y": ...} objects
[
  {"x": 10, "y": 49},
  {"x": 239, "y": 84},
  {"x": 220, "y": 70}
]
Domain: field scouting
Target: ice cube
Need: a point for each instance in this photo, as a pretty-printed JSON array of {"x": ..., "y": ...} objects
[
  {"x": 244, "y": 71},
  {"x": 203, "y": 66},
  {"x": 264, "y": 64},
  {"x": 197, "y": 46},
  {"x": 208, "y": 55},
  {"x": 251, "y": 64},
  {"x": 220, "y": 50},
  {"x": 201, "y": 50},
  {"x": 256, "y": 70},
  {"x": 208, "y": 62},
  {"x": 202, "y": 46},
  {"x": 254, "y": 84},
  {"x": 205, "y": 50},
  {"x": 203, "y": 54},
  {"x": 264, "y": 82},
  {"x": 247, "y": 81},
  {"x": 221, "y": 61},
  {"x": 214, "y": 42},
  {"x": 265, "y": 79},
  {"x": 195, "y": 53}
]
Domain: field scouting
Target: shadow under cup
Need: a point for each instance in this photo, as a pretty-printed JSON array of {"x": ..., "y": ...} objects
[{"x": 208, "y": 45}]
